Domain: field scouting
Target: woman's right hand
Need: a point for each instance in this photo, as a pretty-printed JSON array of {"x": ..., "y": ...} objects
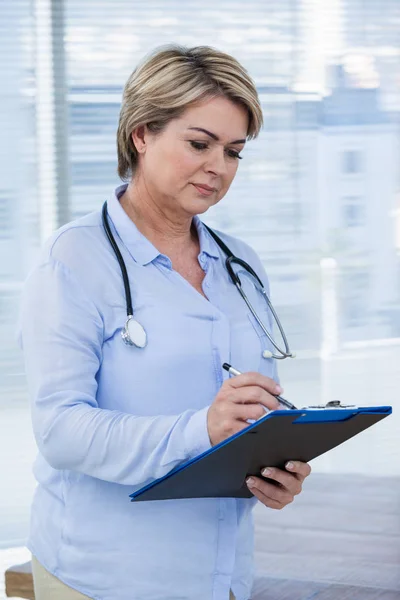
[{"x": 240, "y": 398}]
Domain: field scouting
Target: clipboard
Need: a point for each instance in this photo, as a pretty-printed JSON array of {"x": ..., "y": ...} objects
[{"x": 277, "y": 437}]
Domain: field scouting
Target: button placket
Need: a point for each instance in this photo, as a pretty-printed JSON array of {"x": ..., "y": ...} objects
[
  {"x": 205, "y": 265},
  {"x": 208, "y": 271}
]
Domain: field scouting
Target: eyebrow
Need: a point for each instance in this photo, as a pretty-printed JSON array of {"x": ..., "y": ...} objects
[{"x": 214, "y": 136}]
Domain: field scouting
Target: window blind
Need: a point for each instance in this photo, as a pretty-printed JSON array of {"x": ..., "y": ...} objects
[{"x": 328, "y": 76}]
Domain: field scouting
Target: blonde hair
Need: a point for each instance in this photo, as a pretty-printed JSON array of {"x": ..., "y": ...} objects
[{"x": 167, "y": 81}]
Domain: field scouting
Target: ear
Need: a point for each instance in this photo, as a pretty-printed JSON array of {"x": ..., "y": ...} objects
[{"x": 139, "y": 136}]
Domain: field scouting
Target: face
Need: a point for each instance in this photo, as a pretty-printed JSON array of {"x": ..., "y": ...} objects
[{"x": 201, "y": 147}]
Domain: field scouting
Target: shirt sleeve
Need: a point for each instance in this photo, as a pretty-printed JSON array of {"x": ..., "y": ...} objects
[{"x": 61, "y": 334}]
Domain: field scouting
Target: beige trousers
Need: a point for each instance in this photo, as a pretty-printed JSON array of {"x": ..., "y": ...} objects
[{"x": 48, "y": 587}]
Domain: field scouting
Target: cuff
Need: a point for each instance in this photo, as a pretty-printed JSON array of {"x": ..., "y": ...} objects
[{"x": 197, "y": 440}]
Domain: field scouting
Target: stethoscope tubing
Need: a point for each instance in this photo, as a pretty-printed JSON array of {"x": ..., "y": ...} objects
[
  {"x": 230, "y": 260},
  {"x": 128, "y": 296},
  {"x": 284, "y": 353}
]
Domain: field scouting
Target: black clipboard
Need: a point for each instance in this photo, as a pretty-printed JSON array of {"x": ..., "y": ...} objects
[{"x": 279, "y": 436}]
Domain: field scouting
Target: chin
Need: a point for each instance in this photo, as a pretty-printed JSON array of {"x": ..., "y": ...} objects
[{"x": 198, "y": 207}]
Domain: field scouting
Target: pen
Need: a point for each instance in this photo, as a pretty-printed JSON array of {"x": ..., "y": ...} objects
[{"x": 232, "y": 371}]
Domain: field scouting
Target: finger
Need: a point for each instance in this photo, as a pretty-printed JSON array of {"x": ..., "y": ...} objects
[
  {"x": 287, "y": 480},
  {"x": 269, "y": 494},
  {"x": 254, "y": 378},
  {"x": 232, "y": 427},
  {"x": 267, "y": 501},
  {"x": 253, "y": 394},
  {"x": 300, "y": 469},
  {"x": 248, "y": 411}
]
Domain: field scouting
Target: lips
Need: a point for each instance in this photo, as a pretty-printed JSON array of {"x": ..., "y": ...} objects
[
  {"x": 205, "y": 187},
  {"x": 204, "y": 190}
]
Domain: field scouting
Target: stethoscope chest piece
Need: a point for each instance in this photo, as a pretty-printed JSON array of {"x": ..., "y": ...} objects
[{"x": 134, "y": 334}]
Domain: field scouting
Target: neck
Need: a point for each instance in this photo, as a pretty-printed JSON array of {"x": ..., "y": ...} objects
[{"x": 168, "y": 231}]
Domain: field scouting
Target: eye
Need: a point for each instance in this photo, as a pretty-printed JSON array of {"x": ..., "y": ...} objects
[
  {"x": 198, "y": 145},
  {"x": 234, "y": 154},
  {"x": 203, "y": 146}
]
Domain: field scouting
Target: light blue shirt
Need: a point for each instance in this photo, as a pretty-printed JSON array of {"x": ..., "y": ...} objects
[{"x": 109, "y": 418}]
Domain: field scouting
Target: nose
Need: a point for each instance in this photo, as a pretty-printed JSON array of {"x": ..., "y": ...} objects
[{"x": 217, "y": 162}]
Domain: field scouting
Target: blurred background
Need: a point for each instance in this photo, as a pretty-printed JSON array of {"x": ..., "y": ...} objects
[{"x": 317, "y": 194}]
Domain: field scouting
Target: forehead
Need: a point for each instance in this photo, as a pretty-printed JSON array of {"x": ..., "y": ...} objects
[{"x": 219, "y": 115}]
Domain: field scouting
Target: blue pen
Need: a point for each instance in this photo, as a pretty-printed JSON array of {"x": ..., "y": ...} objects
[{"x": 232, "y": 371}]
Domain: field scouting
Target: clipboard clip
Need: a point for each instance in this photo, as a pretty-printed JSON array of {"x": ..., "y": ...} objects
[{"x": 332, "y": 404}]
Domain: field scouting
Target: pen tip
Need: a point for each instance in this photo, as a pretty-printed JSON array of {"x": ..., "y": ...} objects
[{"x": 226, "y": 366}]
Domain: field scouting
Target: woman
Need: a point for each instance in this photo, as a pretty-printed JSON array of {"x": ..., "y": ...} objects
[{"x": 110, "y": 417}]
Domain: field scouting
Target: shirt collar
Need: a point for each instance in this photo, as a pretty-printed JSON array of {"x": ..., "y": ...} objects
[
  {"x": 207, "y": 244},
  {"x": 140, "y": 248}
]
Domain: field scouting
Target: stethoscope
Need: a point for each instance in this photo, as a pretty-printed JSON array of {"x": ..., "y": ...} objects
[{"x": 134, "y": 333}]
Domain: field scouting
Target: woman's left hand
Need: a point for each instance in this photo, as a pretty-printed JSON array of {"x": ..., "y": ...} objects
[{"x": 291, "y": 481}]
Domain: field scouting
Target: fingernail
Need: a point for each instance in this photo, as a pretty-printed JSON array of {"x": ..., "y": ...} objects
[
  {"x": 279, "y": 390},
  {"x": 289, "y": 465},
  {"x": 266, "y": 472},
  {"x": 250, "y": 481}
]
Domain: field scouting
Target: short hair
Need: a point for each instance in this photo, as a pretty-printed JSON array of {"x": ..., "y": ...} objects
[{"x": 171, "y": 78}]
